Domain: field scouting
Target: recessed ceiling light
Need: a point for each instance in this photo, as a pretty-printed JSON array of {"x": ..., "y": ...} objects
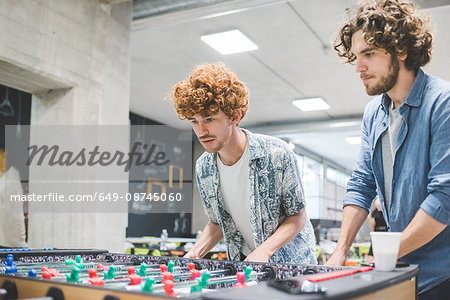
[
  {"x": 353, "y": 140},
  {"x": 311, "y": 104},
  {"x": 345, "y": 124},
  {"x": 229, "y": 42}
]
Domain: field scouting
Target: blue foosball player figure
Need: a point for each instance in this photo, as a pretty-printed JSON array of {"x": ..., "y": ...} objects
[{"x": 10, "y": 265}]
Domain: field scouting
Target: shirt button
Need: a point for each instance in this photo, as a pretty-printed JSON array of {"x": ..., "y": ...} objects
[{"x": 384, "y": 124}]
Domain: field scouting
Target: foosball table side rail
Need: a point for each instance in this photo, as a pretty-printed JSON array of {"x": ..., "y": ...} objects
[{"x": 28, "y": 288}]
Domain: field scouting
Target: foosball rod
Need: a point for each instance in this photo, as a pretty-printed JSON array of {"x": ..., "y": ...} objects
[{"x": 266, "y": 273}]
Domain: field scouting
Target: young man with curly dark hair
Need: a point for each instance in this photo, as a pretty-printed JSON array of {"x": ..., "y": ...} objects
[
  {"x": 249, "y": 184},
  {"x": 405, "y": 140}
]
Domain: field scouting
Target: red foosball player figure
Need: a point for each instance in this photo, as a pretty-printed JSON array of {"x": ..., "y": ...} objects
[
  {"x": 193, "y": 271},
  {"x": 240, "y": 280},
  {"x": 51, "y": 271},
  {"x": 102, "y": 267},
  {"x": 168, "y": 288},
  {"x": 135, "y": 279},
  {"x": 167, "y": 276},
  {"x": 94, "y": 279},
  {"x": 163, "y": 268},
  {"x": 46, "y": 275}
]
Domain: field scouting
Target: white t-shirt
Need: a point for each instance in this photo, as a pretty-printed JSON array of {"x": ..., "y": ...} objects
[
  {"x": 388, "y": 143},
  {"x": 235, "y": 188}
]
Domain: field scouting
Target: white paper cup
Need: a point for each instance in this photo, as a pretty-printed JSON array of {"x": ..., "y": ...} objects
[{"x": 385, "y": 246}]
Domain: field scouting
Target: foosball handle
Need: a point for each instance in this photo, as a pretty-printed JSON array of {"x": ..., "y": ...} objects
[
  {"x": 55, "y": 293},
  {"x": 136, "y": 261},
  {"x": 230, "y": 269},
  {"x": 11, "y": 289},
  {"x": 309, "y": 271},
  {"x": 198, "y": 266},
  {"x": 109, "y": 258},
  {"x": 271, "y": 274}
]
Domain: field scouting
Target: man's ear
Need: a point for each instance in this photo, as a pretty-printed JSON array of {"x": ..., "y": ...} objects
[
  {"x": 403, "y": 55},
  {"x": 237, "y": 115}
]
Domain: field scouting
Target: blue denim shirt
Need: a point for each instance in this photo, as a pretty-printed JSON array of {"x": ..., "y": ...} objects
[
  {"x": 421, "y": 169},
  {"x": 275, "y": 193}
]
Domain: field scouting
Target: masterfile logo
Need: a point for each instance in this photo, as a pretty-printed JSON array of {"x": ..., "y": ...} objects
[
  {"x": 53, "y": 155},
  {"x": 137, "y": 168}
]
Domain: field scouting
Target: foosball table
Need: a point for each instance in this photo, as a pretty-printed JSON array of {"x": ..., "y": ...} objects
[{"x": 97, "y": 274}]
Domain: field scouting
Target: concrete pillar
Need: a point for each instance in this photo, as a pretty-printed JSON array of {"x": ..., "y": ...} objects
[{"x": 74, "y": 57}]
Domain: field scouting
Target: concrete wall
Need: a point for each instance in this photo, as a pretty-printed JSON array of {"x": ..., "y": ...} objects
[{"x": 74, "y": 57}]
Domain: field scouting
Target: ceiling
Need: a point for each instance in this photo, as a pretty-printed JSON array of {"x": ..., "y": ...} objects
[{"x": 294, "y": 60}]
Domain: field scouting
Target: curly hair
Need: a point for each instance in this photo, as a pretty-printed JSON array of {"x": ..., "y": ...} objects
[
  {"x": 395, "y": 25},
  {"x": 209, "y": 89}
]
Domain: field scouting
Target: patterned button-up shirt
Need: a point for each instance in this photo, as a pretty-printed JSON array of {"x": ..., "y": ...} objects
[{"x": 276, "y": 193}]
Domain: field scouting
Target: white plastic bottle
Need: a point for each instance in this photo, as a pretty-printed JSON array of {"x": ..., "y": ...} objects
[{"x": 163, "y": 243}]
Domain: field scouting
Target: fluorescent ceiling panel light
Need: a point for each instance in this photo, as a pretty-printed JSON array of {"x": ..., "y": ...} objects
[
  {"x": 345, "y": 124},
  {"x": 229, "y": 42},
  {"x": 353, "y": 140},
  {"x": 311, "y": 104}
]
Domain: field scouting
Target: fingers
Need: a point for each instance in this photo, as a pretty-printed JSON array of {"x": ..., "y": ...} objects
[{"x": 190, "y": 255}]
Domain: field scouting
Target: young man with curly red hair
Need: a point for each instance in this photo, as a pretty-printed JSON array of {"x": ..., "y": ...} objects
[
  {"x": 249, "y": 184},
  {"x": 405, "y": 140}
]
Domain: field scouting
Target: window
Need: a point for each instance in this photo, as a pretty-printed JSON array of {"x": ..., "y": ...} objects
[
  {"x": 337, "y": 177},
  {"x": 311, "y": 171}
]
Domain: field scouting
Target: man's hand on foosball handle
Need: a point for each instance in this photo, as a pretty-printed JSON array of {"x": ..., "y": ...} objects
[
  {"x": 191, "y": 254},
  {"x": 336, "y": 259},
  {"x": 258, "y": 255}
]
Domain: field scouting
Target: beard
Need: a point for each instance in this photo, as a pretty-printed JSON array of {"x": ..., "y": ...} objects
[{"x": 387, "y": 80}]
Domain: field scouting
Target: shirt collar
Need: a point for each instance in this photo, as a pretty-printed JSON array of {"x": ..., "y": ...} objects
[
  {"x": 414, "y": 97},
  {"x": 255, "y": 147}
]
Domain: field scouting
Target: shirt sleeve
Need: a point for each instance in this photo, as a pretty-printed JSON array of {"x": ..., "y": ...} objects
[
  {"x": 437, "y": 202},
  {"x": 207, "y": 205},
  {"x": 361, "y": 188},
  {"x": 293, "y": 199}
]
